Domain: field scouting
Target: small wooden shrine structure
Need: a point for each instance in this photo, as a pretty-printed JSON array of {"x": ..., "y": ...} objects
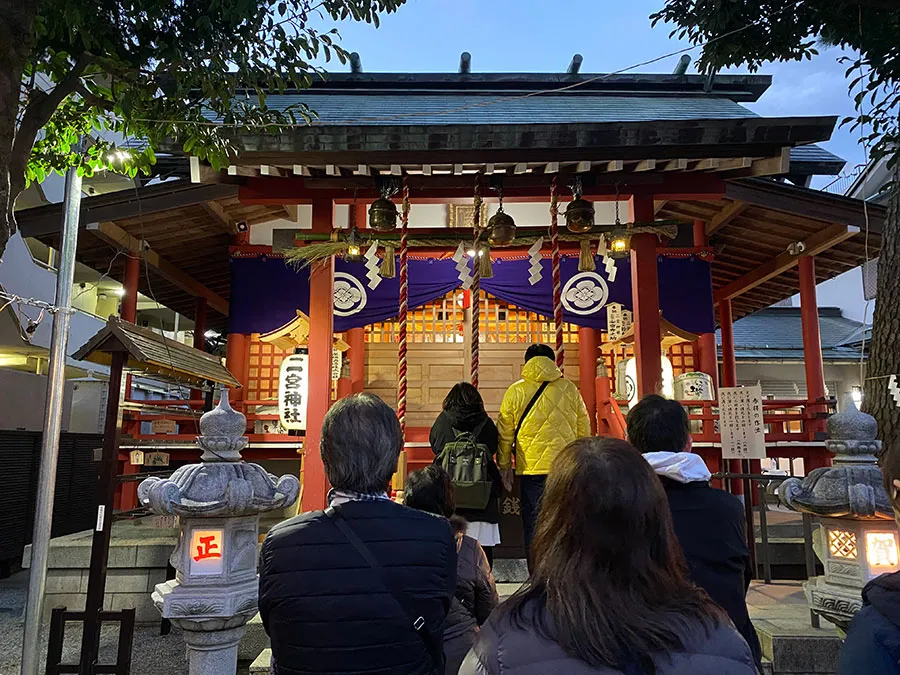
[{"x": 672, "y": 165}]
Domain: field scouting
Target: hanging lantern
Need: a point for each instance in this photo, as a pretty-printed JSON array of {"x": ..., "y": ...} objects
[
  {"x": 579, "y": 212},
  {"x": 580, "y": 215},
  {"x": 501, "y": 226},
  {"x": 383, "y": 215},
  {"x": 354, "y": 243},
  {"x": 619, "y": 243}
]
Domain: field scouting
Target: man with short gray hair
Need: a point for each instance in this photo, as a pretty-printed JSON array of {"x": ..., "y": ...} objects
[{"x": 364, "y": 586}]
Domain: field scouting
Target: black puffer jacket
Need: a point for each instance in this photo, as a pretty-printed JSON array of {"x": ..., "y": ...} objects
[
  {"x": 476, "y": 597},
  {"x": 504, "y": 649},
  {"x": 327, "y": 611},
  {"x": 468, "y": 419},
  {"x": 872, "y": 646}
]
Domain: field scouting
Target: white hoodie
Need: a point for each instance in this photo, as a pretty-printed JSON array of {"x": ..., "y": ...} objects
[{"x": 683, "y": 467}]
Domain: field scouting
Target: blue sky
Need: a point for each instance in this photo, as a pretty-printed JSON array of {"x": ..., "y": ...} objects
[{"x": 528, "y": 36}]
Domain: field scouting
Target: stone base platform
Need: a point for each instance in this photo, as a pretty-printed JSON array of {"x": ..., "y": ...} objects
[
  {"x": 138, "y": 557},
  {"x": 789, "y": 643}
]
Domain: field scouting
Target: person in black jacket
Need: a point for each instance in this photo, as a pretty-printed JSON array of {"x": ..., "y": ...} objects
[
  {"x": 431, "y": 490},
  {"x": 709, "y": 523},
  {"x": 324, "y": 606},
  {"x": 463, "y": 410},
  {"x": 872, "y": 646}
]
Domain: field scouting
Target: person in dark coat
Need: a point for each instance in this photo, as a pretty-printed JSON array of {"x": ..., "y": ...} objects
[
  {"x": 431, "y": 490},
  {"x": 709, "y": 523},
  {"x": 463, "y": 410},
  {"x": 325, "y": 608},
  {"x": 872, "y": 646},
  {"x": 609, "y": 594}
]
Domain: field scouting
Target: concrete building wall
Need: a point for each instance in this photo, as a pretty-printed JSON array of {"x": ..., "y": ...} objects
[{"x": 24, "y": 400}]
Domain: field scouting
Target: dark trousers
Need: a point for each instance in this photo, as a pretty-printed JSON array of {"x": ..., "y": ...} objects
[{"x": 531, "y": 489}]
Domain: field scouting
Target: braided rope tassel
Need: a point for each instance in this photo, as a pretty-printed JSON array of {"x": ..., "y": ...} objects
[
  {"x": 476, "y": 283},
  {"x": 557, "y": 280},
  {"x": 404, "y": 307}
]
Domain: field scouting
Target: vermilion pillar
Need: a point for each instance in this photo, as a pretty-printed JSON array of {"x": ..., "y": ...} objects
[
  {"x": 812, "y": 342},
  {"x": 729, "y": 363},
  {"x": 128, "y": 310},
  {"x": 236, "y": 362},
  {"x": 645, "y": 299},
  {"x": 729, "y": 376},
  {"x": 706, "y": 357},
  {"x": 356, "y": 338},
  {"x": 321, "y": 330},
  {"x": 587, "y": 360}
]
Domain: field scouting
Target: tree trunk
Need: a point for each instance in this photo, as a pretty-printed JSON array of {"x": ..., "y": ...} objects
[
  {"x": 884, "y": 350},
  {"x": 16, "y": 35}
]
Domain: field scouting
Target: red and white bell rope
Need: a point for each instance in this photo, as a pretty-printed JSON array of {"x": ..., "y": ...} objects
[
  {"x": 476, "y": 281},
  {"x": 557, "y": 279},
  {"x": 404, "y": 307}
]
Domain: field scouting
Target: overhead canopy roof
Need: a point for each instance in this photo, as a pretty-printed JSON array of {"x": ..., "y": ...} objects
[{"x": 151, "y": 353}]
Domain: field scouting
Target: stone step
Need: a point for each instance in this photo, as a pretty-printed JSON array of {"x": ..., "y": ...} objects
[
  {"x": 262, "y": 662},
  {"x": 255, "y": 640},
  {"x": 798, "y": 648}
]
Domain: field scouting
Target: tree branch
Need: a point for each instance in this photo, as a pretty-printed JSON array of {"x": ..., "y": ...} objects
[{"x": 39, "y": 111}]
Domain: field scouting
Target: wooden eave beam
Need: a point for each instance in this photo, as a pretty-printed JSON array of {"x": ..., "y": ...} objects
[
  {"x": 815, "y": 244},
  {"x": 725, "y": 216},
  {"x": 218, "y": 214},
  {"x": 116, "y": 236}
]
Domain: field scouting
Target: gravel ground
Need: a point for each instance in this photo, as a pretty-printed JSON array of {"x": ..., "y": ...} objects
[{"x": 153, "y": 654}]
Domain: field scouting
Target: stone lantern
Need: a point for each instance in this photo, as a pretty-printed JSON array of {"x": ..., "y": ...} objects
[
  {"x": 218, "y": 503},
  {"x": 858, "y": 538}
]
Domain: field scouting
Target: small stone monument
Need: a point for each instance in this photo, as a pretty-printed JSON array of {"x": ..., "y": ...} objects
[
  {"x": 218, "y": 503},
  {"x": 858, "y": 539}
]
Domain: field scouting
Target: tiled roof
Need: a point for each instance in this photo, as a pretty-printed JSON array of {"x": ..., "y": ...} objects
[
  {"x": 453, "y": 108},
  {"x": 776, "y": 333}
]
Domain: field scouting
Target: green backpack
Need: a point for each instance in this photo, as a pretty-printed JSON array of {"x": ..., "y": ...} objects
[{"x": 467, "y": 461}]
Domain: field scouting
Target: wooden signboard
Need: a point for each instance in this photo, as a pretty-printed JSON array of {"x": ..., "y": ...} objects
[
  {"x": 741, "y": 423},
  {"x": 163, "y": 426}
]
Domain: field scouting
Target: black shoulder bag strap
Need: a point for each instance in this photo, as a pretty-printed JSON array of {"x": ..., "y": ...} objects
[
  {"x": 527, "y": 410},
  {"x": 417, "y": 621}
]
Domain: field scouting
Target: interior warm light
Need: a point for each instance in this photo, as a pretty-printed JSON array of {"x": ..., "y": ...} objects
[
  {"x": 471, "y": 253},
  {"x": 881, "y": 549},
  {"x": 856, "y": 394},
  {"x": 842, "y": 544}
]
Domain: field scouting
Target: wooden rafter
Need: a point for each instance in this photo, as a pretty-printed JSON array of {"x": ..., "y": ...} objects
[
  {"x": 219, "y": 215},
  {"x": 725, "y": 216},
  {"x": 116, "y": 236},
  {"x": 815, "y": 244}
]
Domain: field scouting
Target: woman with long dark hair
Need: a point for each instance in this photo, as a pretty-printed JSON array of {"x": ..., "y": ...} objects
[
  {"x": 609, "y": 592},
  {"x": 463, "y": 411}
]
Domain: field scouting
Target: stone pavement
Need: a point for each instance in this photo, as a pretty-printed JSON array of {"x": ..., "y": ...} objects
[{"x": 778, "y": 610}]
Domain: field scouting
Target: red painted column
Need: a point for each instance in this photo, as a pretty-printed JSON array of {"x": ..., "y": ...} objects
[
  {"x": 356, "y": 338},
  {"x": 126, "y": 493},
  {"x": 812, "y": 352},
  {"x": 706, "y": 357},
  {"x": 321, "y": 329},
  {"x": 236, "y": 362},
  {"x": 128, "y": 310},
  {"x": 587, "y": 371},
  {"x": 729, "y": 376},
  {"x": 645, "y": 299}
]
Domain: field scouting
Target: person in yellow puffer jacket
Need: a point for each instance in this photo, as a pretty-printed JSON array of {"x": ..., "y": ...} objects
[{"x": 557, "y": 418}]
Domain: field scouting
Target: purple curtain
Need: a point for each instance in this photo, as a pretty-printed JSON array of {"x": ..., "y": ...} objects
[{"x": 265, "y": 292}]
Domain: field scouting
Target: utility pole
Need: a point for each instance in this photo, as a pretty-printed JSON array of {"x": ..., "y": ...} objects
[{"x": 56, "y": 375}]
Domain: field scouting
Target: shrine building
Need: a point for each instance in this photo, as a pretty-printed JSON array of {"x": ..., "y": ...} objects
[{"x": 637, "y": 213}]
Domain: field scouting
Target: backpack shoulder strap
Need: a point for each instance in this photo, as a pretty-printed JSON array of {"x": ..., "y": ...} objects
[
  {"x": 530, "y": 405},
  {"x": 417, "y": 620}
]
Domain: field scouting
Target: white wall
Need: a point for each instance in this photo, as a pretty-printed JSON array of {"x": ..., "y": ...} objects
[{"x": 844, "y": 291}]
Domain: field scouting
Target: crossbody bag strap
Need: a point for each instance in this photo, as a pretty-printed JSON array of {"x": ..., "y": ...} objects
[
  {"x": 417, "y": 620},
  {"x": 528, "y": 408}
]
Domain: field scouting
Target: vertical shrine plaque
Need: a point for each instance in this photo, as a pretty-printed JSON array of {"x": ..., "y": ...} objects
[
  {"x": 741, "y": 423},
  {"x": 293, "y": 389}
]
